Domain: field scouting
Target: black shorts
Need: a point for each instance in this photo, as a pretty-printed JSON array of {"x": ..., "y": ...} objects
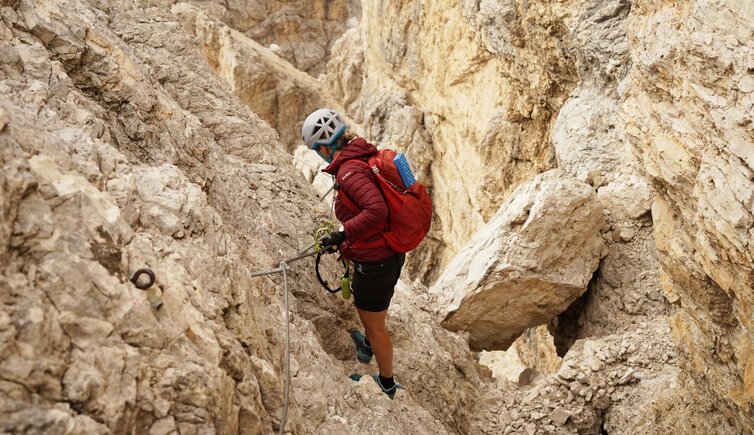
[{"x": 374, "y": 283}]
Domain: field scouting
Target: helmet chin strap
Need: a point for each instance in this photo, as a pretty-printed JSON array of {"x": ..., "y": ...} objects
[{"x": 329, "y": 158}]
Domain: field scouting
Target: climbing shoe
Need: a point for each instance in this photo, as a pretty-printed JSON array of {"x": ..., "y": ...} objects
[
  {"x": 363, "y": 351},
  {"x": 389, "y": 391}
]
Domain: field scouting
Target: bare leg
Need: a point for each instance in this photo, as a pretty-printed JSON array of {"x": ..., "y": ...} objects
[{"x": 382, "y": 346}]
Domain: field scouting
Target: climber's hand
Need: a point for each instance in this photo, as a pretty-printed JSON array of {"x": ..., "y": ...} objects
[{"x": 332, "y": 242}]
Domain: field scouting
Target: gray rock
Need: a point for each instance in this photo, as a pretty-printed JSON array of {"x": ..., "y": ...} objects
[
  {"x": 626, "y": 377},
  {"x": 559, "y": 416}
]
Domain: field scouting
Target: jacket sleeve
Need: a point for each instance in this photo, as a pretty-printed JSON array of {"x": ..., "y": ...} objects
[{"x": 358, "y": 183}]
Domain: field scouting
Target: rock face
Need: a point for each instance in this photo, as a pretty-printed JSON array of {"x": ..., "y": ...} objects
[
  {"x": 271, "y": 87},
  {"x": 688, "y": 114},
  {"x": 536, "y": 349},
  {"x": 589, "y": 141},
  {"x": 114, "y": 159},
  {"x": 623, "y": 383},
  {"x": 301, "y": 32},
  {"x": 120, "y": 149},
  {"x": 529, "y": 263},
  {"x": 507, "y": 63}
]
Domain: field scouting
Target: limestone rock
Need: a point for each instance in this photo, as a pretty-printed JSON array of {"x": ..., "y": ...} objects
[
  {"x": 588, "y": 132},
  {"x": 408, "y": 93},
  {"x": 123, "y": 150},
  {"x": 303, "y": 31},
  {"x": 504, "y": 365},
  {"x": 346, "y": 71},
  {"x": 537, "y": 350},
  {"x": 185, "y": 180},
  {"x": 307, "y": 162},
  {"x": 687, "y": 108},
  {"x": 94, "y": 193},
  {"x": 120, "y": 148},
  {"x": 272, "y": 87},
  {"x": 576, "y": 406},
  {"x": 628, "y": 197},
  {"x": 527, "y": 265},
  {"x": 589, "y": 141},
  {"x": 587, "y": 137},
  {"x": 559, "y": 416}
]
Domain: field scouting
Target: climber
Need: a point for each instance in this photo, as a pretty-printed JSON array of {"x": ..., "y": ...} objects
[{"x": 361, "y": 208}]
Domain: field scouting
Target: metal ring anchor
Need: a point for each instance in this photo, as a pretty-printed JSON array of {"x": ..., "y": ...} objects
[{"x": 137, "y": 275}]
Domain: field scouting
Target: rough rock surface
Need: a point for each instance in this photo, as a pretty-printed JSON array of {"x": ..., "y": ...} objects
[
  {"x": 589, "y": 141},
  {"x": 529, "y": 263},
  {"x": 119, "y": 150},
  {"x": 536, "y": 349},
  {"x": 688, "y": 113},
  {"x": 624, "y": 383},
  {"x": 271, "y": 87},
  {"x": 301, "y": 32},
  {"x": 409, "y": 67}
]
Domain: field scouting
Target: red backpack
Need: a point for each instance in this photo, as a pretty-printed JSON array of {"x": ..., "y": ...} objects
[{"x": 409, "y": 210}]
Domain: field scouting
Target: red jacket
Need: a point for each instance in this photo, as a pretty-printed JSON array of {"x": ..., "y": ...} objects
[{"x": 358, "y": 183}]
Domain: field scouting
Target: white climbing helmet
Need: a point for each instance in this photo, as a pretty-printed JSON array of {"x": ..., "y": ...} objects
[{"x": 322, "y": 127}]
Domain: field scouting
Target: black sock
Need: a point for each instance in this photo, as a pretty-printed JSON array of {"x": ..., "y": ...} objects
[
  {"x": 366, "y": 341},
  {"x": 388, "y": 383}
]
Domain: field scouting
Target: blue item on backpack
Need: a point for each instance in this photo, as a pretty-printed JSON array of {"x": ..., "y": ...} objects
[{"x": 404, "y": 170}]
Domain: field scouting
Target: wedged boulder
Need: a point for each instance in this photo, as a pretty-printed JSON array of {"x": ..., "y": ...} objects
[{"x": 535, "y": 256}]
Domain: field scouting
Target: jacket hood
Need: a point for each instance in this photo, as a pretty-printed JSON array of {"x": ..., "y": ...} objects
[{"x": 358, "y": 148}]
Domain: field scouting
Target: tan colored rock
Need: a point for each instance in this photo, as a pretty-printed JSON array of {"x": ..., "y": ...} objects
[
  {"x": 688, "y": 115},
  {"x": 272, "y": 87},
  {"x": 559, "y": 416},
  {"x": 643, "y": 356},
  {"x": 536, "y": 349},
  {"x": 627, "y": 197},
  {"x": 527, "y": 265},
  {"x": 481, "y": 110},
  {"x": 301, "y": 32},
  {"x": 4, "y": 120},
  {"x": 119, "y": 149},
  {"x": 125, "y": 151},
  {"x": 587, "y": 136}
]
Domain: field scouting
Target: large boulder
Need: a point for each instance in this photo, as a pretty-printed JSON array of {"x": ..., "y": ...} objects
[{"x": 535, "y": 256}]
